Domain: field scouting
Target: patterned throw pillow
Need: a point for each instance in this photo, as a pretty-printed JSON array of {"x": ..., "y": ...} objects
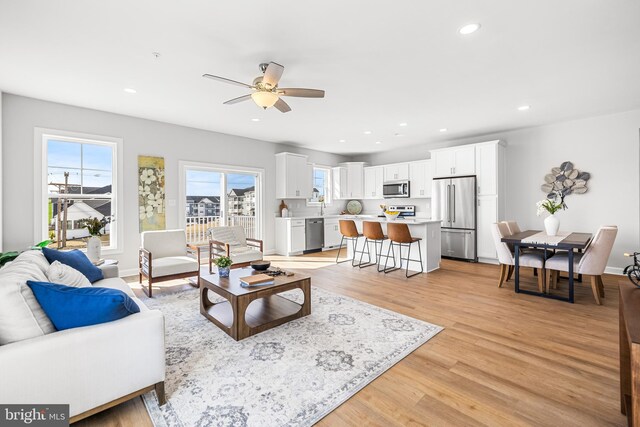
[{"x": 65, "y": 275}]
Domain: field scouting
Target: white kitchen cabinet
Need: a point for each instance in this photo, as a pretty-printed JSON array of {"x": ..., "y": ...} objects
[
  {"x": 348, "y": 181},
  {"x": 373, "y": 181},
  {"x": 486, "y": 168},
  {"x": 293, "y": 176},
  {"x": 420, "y": 179},
  {"x": 487, "y": 215},
  {"x": 455, "y": 161},
  {"x": 339, "y": 181},
  {"x": 396, "y": 172},
  {"x": 332, "y": 236},
  {"x": 290, "y": 236}
]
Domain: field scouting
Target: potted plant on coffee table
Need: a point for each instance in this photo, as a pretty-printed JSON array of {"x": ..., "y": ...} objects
[{"x": 224, "y": 265}]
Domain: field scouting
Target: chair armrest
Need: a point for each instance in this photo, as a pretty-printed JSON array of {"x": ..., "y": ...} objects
[
  {"x": 217, "y": 248},
  {"x": 145, "y": 262},
  {"x": 256, "y": 244},
  {"x": 194, "y": 249}
]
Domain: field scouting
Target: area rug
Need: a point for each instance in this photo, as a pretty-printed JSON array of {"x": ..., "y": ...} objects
[{"x": 292, "y": 375}]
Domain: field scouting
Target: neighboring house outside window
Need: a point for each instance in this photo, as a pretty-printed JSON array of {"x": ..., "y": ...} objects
[{"x": 321, "y": 186}]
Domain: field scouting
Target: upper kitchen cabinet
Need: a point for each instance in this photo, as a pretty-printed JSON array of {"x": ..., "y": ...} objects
[
  {"x": 454, "y": 161},
  {"x": 396, "y": 172},
  {"x": 373, "y": 181},
  {"x": 348, "y": 181},
  {"x": 489, "y": 167},
  {"x": 293, "y": 176},
  {"x": 420, "y": 178}
]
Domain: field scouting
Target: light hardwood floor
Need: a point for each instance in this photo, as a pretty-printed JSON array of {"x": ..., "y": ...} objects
[{"x": 502, "y": 359}]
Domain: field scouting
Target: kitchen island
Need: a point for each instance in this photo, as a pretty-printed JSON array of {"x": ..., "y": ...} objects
[{"x": 426, "y": 229}]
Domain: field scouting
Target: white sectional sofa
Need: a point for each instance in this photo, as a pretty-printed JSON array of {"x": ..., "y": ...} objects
[{"x": 90, "y": 368}]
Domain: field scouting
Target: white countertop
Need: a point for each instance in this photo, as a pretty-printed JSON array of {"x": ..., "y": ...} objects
[{"x": 409, "y": 221}]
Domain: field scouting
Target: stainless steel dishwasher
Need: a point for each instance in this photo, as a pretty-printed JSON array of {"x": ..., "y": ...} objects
[{"x": 314, "y": 231}]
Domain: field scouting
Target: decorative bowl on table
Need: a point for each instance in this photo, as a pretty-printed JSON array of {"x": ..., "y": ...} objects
[
  {"x": 391, "y": 215},
  {"x": 260, "y": 265}
]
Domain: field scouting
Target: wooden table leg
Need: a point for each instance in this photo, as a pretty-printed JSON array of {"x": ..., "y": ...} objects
[{"x": 306, "y": 290}]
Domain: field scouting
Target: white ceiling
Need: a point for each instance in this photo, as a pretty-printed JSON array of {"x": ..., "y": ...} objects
[{"x": 380, "y": 62}]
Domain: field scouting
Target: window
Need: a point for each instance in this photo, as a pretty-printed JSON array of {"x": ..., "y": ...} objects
[
  {"x": 79, "y": 181},
  {"x": 321, "y": 186},
  {"x": 225, "y": 196}
]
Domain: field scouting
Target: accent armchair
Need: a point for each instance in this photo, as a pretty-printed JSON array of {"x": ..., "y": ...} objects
[
  {"x": 165, "y": 255},
  {"x": 232, "y": 242}
]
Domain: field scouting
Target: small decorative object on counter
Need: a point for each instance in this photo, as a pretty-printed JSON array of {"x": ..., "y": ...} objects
[
  {"x": 551, "y": 205},
  {"x": 384, "y": 208},
  {"x": 284, "y": 209},
  {"x": 95, "y": 227},
  {"x": 354, "y": 207},
  {"x": 224, "y": 265},
  {"x": 391, "y": 215}
]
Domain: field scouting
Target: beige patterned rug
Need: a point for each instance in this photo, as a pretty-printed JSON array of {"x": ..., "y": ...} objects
[{"x": 292, "y": 375}]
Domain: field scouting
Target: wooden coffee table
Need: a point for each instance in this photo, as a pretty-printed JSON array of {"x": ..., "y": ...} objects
[{"x": 249, "y": 311}]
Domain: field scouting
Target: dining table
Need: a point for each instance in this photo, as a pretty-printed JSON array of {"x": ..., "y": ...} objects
[{"x": 566, "y": 241}]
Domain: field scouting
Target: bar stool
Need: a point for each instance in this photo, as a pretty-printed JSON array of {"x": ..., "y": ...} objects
[
  {"x": 372, "y": 231},
  {"x": 349, "y": 232},
  {"x": 400, "y": 235}
]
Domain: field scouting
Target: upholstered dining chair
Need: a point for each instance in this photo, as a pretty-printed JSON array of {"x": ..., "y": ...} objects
[
  {"x": 231, "y": 241},
  {"x": 506, "y": 257},
  {"x": 590, "y": 263},
  {"x": 165, "y": 255},
  {"x": 514, "y": 228}
]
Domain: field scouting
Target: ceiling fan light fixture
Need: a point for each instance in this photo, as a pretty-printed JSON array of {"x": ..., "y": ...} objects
[{"x": 264, "y": 99}]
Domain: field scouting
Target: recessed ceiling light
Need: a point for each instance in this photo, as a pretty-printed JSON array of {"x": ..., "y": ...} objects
[
  {"x": 343, "y": 140},
  {"x": 130, "y": 90},
  {"x": 443, "y": 130},
  {"x": 367, "y": 132},
  {"x": 397, "y": 134},
  {"x": 469, "y": 28},
  {"x": 255, "y": 120},
  {"x": 378, "y": 142},
  {"x": 402, "y": 124},
  {"x": 524, "y": 107}
]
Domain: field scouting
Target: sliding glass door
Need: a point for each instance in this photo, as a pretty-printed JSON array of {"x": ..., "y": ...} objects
[{"x": 215, "y": 196}]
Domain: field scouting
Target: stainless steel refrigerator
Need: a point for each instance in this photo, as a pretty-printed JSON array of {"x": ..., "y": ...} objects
[{"x": 454, "y": 203}]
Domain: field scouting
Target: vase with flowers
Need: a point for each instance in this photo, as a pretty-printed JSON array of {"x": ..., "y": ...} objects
[
  {"x": 95, "y": 228},
  {"x": 552, "y": 204}
]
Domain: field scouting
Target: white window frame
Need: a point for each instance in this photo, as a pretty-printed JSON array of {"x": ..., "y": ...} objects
[
  {"x": 328, "y": 199},
  {"x": 41, "y": 192},
  {"x": 183, "y": 165}
]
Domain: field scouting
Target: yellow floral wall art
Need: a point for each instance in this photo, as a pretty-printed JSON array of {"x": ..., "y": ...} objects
[{"x": 151, "y": 207}]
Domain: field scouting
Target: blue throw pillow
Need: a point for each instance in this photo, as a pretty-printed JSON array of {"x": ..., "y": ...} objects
[
  {"x": 75, "y": 259},
  {"x": 69, "y": 307}
]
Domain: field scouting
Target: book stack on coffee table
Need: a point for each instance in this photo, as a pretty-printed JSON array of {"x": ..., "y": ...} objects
[{"x": 256, "y": 280}]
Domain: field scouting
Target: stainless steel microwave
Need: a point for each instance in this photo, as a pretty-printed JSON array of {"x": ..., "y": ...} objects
[{"x": 395, "y": 189}]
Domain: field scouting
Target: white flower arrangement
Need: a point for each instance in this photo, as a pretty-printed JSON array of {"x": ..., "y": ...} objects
[{"x": 551, "y": 205}]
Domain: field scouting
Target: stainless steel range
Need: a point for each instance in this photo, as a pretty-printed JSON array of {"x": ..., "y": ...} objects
[{"x": 405, "y": 210}]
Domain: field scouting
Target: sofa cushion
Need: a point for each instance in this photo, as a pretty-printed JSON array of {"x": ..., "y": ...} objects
[
  {"x": 164, "y": 243},
  {"x": 69, "y": 307},
  {"x": 115, "y": 283},
  {"x": 21, "y": 316},
  {"x": 65, "y": 275},
  {"x": 75, "y": 259},
  {"x": 174, "y": 265},
  {"x": 241, "y": 255}
]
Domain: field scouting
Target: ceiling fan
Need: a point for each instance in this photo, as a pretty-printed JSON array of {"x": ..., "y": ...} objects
[{"x": 266, "y": 92}]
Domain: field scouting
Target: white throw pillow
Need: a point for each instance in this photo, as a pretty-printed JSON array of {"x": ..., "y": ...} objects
[{"x": 62, "y": 274}]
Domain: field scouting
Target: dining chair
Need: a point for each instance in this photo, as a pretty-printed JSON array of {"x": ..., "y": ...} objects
[
  {"x": 514, "y": 228},
  {"x": 506, "y": 257},
  {"x": 591, "y": 262}
]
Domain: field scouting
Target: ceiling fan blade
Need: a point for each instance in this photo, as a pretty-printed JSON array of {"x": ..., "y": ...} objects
[
  {"x": 238, "y": 99},
  {"x": 282, "y": 106},
  {"x": 225, "y": 80},
  {"x": 272, "y": 74},
  {"x": 302, "y": 93}
]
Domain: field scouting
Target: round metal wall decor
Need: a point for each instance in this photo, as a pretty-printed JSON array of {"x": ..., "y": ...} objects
[{"x": 565, "y": 179}]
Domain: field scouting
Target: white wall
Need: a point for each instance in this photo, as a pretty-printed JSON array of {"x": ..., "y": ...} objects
[
  {"x": 141, "y": 137},
  {"x": 605, "y": 146}
]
